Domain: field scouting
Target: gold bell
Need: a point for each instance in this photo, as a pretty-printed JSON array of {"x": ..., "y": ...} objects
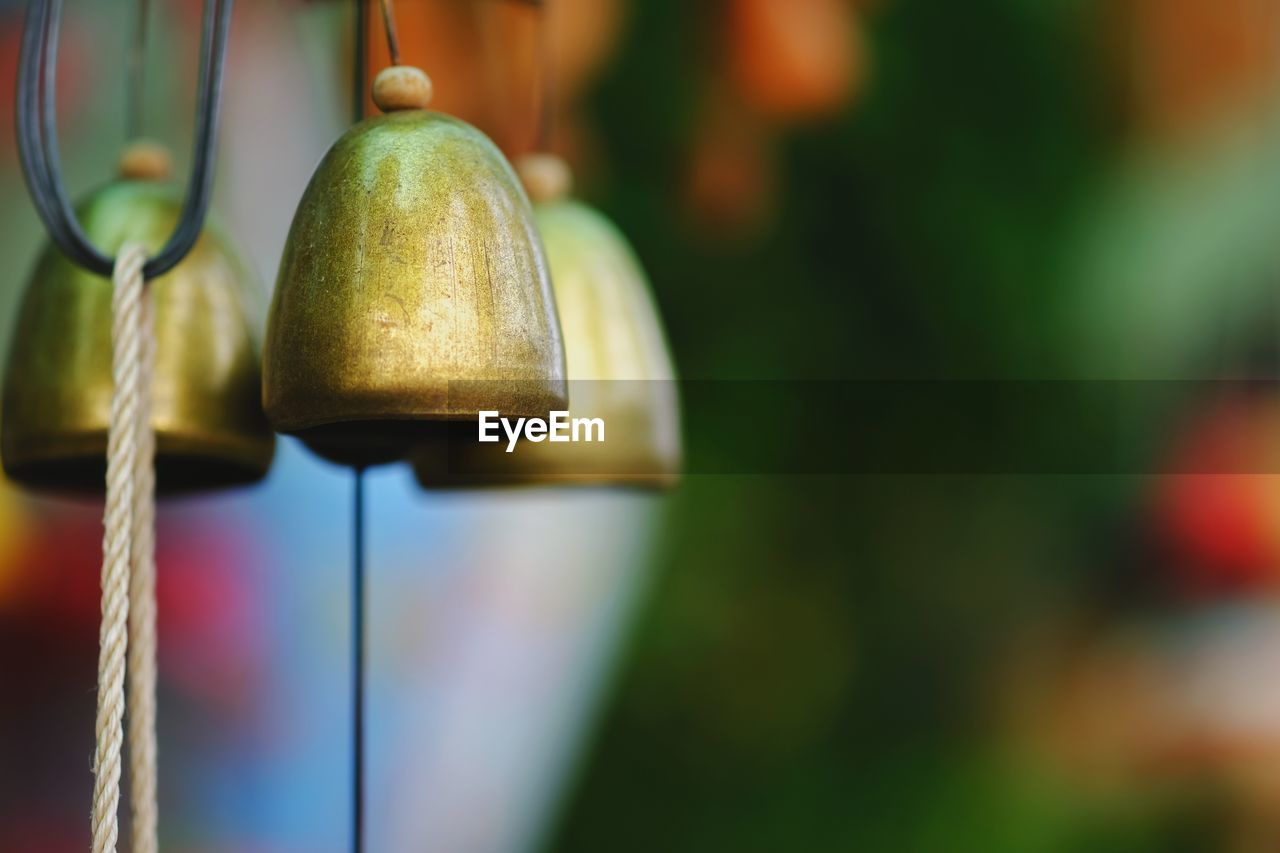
[
  {"x": 619, "y": 367},
  {"x": 208, "y": 421},
  {"x": 413, "y": 288}
]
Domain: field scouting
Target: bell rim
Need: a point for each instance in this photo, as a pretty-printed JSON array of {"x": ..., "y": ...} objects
[
  {"x": 67, "y": 462},
  {"x": 646, "y": 468},
  {"x": 547, "y": 395},
  {"x": 534, "y": 479}
]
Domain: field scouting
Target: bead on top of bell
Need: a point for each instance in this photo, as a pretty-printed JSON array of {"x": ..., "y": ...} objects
[
  {"x": 546, "y": 177},
  {"x": 402, "y": 87},
  {"x": 146, "y": 160}
]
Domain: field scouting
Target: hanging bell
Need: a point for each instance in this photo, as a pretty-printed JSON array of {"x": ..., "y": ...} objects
[
  {"x": 413, "y": 288},
  {"x": 619, "y": 368},
  {"x": 209, "y": 427}
]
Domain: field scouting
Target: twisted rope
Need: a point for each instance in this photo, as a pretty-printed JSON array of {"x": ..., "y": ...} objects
[
  {"x": 127, "y": 568},
  {"x": 142, "y": 602}
]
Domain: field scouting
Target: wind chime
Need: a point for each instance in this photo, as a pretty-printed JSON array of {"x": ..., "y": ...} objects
[{"x": 414, "y": 292}]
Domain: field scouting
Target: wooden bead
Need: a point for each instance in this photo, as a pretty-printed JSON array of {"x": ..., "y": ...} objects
[
  {"x": 146, "y": 161},
  {"x": 402, "y": 87},
  {"x": 545, "y": 176}
]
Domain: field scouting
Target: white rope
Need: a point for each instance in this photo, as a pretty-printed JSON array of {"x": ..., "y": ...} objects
[
  {"x": 142, "y": 602},
  {"x": 128, "y": 570}
]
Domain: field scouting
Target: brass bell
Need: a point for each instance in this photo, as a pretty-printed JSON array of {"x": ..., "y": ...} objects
[
  {"x": 413, "y": 288},
  {"x": 208, "y": 421},
  {"x": 619, "y": 368}
]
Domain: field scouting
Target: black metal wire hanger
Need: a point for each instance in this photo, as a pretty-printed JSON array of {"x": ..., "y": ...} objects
[{"x": 36, "y": 123}]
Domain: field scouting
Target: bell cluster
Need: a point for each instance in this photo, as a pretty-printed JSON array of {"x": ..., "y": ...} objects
[{"x": 419, "y": 288}]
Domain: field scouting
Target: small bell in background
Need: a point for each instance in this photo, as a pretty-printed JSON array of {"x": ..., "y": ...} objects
[
  {"x": 619, "y": 367},
  {"x": 413, "y": 288},
  {"x": 206, "y": 411}
]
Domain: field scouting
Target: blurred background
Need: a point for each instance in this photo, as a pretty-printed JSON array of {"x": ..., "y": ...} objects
[{"x": 1075, "y": 191}]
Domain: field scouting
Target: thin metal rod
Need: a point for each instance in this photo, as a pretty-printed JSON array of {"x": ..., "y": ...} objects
[
  {"x": 135, "y": 117},
  {"x": 357, "y": 650},
  {"x": 360, "y": 34},
  {"x": 359, "y": 84},
  {"x": 393, "y": 40}
]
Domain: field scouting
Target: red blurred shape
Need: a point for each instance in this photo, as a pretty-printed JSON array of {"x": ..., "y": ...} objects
[{"x": 1219, "y": 511}]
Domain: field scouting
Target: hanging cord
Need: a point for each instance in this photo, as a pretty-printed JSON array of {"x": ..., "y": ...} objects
[
  {"x": 136, "y": 89},
  {"x": 393, "y": 38},
  {"x": 141, "y": 671},
  {"x": 546, "y": 78},
  {"x": 360, "y": 56},
  {"x": 357, "y": 509},
  {"x": 359, "y": 84},
  {"x": 128, "y": 445},
  {"x": 143, "y": 772},
  {"x": 38, "y": 138}
]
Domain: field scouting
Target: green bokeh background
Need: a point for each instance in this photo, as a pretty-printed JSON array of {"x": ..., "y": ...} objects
[{"x": 819, "y": 664}]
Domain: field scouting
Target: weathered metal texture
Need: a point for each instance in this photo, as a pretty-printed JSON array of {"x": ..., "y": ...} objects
[
  {"x": 206, "y": 407},
  {"x": 619, "y": 370},
  {"x": 413, "y": 288}
]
